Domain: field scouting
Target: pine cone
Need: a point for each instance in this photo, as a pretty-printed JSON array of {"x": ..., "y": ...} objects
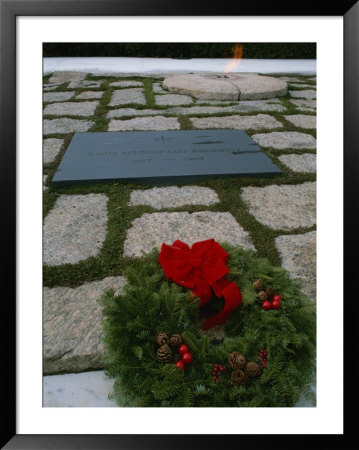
[
  {"x": 164, "y": 353},
  {"x": 252, "y": 369},
  {"x": 238, "y": 377},
  {"x": 237, "y": 360},
  {"x": 162, "y": 338},
  {"x": 176, "y": 340},
  {"x": 270, "y": 293},
  {"x": 262, "y": 296},
  {"x": 258, "y": 285}
]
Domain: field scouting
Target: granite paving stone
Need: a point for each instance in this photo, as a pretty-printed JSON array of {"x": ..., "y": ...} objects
[
  {"x": 289, "y": 79},
  {"x": 49, "y": 88},
  {"x": 72, "y": 333},
  {"x": 151, "y": 230},
  {"x": 65, "y": 76},
  {"x": 85, "y": 389},
  {"x": 173, "y": 99},
  {"x": 173, "y": 197},
  {"x": 124, "y": 96},
  {"x": 245, "y": 106},
  {"x": 304, "y": 105},
  {"x": 285, "y": 140},
  {"x": 85, "y": 84},
  {"x": 44, "y": 178},
  {"x": 158, "y": 89},
  {"x": 89, "y": 95},
  {"x": 145, "y": 123},
  {"x": 310, "y": 86},
  {"x": 65, "y": 125},
  {"x": 298, "y": 254},
  {"x": 306, "y": 163},
  {"x": 74, "y": 229},
  {"x": 284, "y": 207},
  {"x": 57, "y": 96},
  {"x": 309, "y": 94},
  {"x": 51, "y": 148},
  {"x": 71, "y": 109},
  {"x": 237, "y": 122},
  {"x": 126, "y": 83},
  {"x": 302, "y": 120}
]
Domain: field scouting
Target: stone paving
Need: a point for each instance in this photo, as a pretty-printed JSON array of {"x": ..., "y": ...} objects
[
  {"x": 151, "y": 230},
  {"x": 51, "y": 148},
  {"x": 74, "y": 229},
  {"x": 76, "y": 226},
  {"x": 72, "y": 326}
]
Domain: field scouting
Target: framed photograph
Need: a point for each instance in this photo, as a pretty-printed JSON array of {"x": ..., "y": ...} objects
[{"x": 67, "y": 255}]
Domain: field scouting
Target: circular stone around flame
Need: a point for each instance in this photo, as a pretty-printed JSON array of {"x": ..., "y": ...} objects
[{"x": 243, "y": 86}]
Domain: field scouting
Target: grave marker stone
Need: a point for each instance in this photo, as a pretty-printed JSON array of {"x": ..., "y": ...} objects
[{"x": 161, "y": 157}]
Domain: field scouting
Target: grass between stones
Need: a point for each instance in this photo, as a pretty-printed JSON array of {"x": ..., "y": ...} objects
[{"x": 110, "y": 261}]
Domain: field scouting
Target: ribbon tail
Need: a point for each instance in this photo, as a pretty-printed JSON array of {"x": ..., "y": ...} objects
[{"x": 233, "y": 298}]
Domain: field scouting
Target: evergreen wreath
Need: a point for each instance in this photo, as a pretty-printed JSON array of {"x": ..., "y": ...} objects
[{"x": 152, "y": 304}]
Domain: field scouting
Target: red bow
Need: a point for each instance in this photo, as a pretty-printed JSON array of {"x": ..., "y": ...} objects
[{"x": 201, "y": 268}]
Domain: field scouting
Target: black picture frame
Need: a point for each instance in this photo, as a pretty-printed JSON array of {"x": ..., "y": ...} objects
[{"x": 9, "y": 10}]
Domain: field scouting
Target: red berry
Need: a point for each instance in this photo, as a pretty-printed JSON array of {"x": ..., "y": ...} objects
[
  {"x": 180, "y": 365},
  {"x": 266, "y": 305},
  {"x": 183, "y": 349},
  {"x": 276, "y": 304},
  {"x": 222, "y": 369},
  {"x": 264, "y": 363},
  {"x": 216, "y": 380},
  {"x": 187, "y": 358},
  {"x": 216, "y": 366},
  {"x": 277, "y": 297}
]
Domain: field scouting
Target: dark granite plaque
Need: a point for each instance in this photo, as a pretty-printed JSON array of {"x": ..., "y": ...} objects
[{"x": 161, "y": 157}]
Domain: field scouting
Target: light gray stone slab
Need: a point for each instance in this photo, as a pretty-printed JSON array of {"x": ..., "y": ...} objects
[
  {"x": 49, "y": 88},
  {"x": 44, "y": 178},
  {"x": 306, "y": 163},
  {"x": 308, "y": 94},
  {"x": 245, "y": 106},
  {"x": 237, "y": 122},
  {"x": 244, "y": 86},
  {"x": 299, "y": 257},
  {"x": 82, "y": 390},
  {"x": 72, "y": 333},
  {"x": 145, "y": 123},
  {"x": 158, "y": 89},
  {"x": 285, "y": 139},
  {"x": 71, "y": 109},
  {"x": 51, "y": 85},
  {"x": 304, "y": 105},
  {"x": 310, "y": 86},
  {"x": 284, "y": 207},
  {"x": 290, "y": 79},
  {"x": 124, "y": 96},
  {"x": 51, "y": 148},
  {"x": 302, "y": 120},
  {"x": 151, "y": 230},
  {"x": 65, "y": 76},
  {"x": 173, "y": 197},
  {"x": 91, "y": 389},
  {"x": 89, "y": 95},
  {"x": 126, "y": 83},
  {"x": 74, "y": 229},
  {"x": 57, "y": 96},
  {"x": 65, "y": 125},
  {"x": 85, "y": 84},
  {"x": 173, "y": 99}
]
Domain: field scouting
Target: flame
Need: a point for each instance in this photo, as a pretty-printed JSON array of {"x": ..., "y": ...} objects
[{"x": 236, "y": 59}]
